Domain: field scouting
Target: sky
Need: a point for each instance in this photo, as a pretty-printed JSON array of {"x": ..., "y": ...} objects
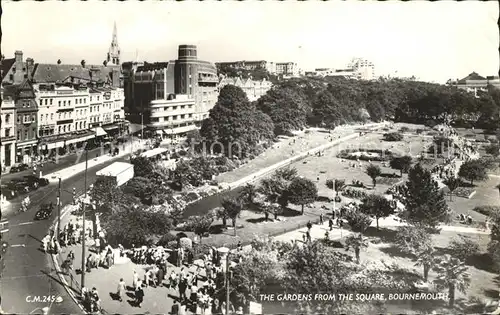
[{"x": 433, "y": 41}]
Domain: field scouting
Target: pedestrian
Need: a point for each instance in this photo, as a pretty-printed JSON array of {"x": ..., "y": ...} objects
[
  {"x": 120, "y": 291},
  {"x": 175, "y": 308},
  {"x": 139, "y": 296},
  {"x": 330, "y": 224},
  {"x": 309, "y": 226},
  {"x": 304, "y": 237},
  {"x": 308, "y": 234},
  {"x": 135, "y": 280},
  {"x": 88, "y": 262},
  {"x": 194, "y": 293},
  {"x": 321, "y": 219},
  {"x": 160, "y": 276},
  {"x": 182, "y": 290}
]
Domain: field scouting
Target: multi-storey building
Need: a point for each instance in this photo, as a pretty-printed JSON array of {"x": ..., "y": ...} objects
[
  {"x": 26, "y": 120},
  {"x": 7, "y": 131},
  {"x": 329, "y": 72},
  {"x": 287, "y": 69},
  {"x": 474, "y": 83},
  {"x": 364, "y": 69},
  {"x": 253, "y": 89},
  {"x": 185, "y": 80},
  {"x": 269, "y": 66}
]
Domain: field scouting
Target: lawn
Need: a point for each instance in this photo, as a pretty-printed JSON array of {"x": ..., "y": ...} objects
[{"x": 484, "y": 283}]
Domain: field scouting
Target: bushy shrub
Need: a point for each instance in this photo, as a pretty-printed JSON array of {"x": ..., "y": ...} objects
[
  {"x": 487, "y": 210},
  {"x": 354, "y": 193},
  {"x": 358, "y": 221},
  {"x": 393, "y": 136},
  {"x": 419, "y": 131},
  {"x": 464, "y": 249},
  {"x": 405, "y": 129},
  {"x": 165, "y": 239}
]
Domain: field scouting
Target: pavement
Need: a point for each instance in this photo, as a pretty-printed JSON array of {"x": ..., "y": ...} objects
[{"x": 29, "y": 272}]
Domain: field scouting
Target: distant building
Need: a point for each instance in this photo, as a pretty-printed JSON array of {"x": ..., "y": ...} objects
[
  {"x": 253, "y": 89},
  {"x": 172, "y": 97},
  {"x": 249, "y": 65},
  {"x": 474, "y": 83},
  {"x": 114, "y": 53},
  {"x": 358, "y": 69},
  {"x": 7, "y": 130},
  {"x": 287, "y": 69}
]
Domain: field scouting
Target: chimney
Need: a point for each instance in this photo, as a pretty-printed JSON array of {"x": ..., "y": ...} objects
[
  {"x": 30, "y": 66},
  {"x": 19, "y": 56}
]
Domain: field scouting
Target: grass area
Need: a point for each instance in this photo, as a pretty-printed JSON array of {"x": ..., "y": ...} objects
[{"x": 484, "y": 282}]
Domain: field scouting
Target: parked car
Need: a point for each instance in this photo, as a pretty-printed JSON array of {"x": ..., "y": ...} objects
[
  {"x": 9, "y": 192},
  {"x": 34, "y": 180},
  {"x": 19, "y": 168}
]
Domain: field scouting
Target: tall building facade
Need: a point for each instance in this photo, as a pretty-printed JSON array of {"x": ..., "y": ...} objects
[
  {"x": 364, "y": 69},
  {"x": 171, "y": 98},
  {"x": 7, "y": 130},
  {"x": 253, "y": 89},
  {"x": 58, "y": 106}
]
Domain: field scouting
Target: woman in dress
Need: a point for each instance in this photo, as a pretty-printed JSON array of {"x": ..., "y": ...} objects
[{"x": 120, "y": 292}]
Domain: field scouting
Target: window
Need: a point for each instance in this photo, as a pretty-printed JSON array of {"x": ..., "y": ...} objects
[
  {"x": 84, "y": 124},
  {"x": 11, "y": 78},
  {"x": 64, "y": 128},
  {"x": 91, "y": 109},
  {"x": 174, "y": 117},
  {"x": 46, "y": 117},
  {"x": 59, "y": 103},
  {"x": 174, "y": 108},
  {"x": 91, "y": 98},
  {"x": 50, "y": 101},
  {"x": 84, "y": 101},
  {"x": 183, "y": 106},
  {"x": 18, "y": 135},
  {"x": 59, "y": 129},
  {"x": 69, "y": 103},
  {"x": 190, "y": 115},
  {"x": 46, "y": 101},
  {"x": 59, "y": 116},
  {"x": 98, "y": 98},
  {"x": 25, "y": 134},
  {"x": 51, "y": 116},
  {"x": 7, "y": 132},
  {"x": 33, "y": 118},
  {"x": 182, "y": 116},
  {"x": 69, "y": 127},
  {"x": 64, "y": 103},
  {"x": 7, "y": 118}
]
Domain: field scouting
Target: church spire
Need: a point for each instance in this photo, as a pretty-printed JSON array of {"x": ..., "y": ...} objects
[{"x": 114, "y": 49}]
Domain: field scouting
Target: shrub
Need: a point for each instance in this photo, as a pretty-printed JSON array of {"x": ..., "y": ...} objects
[
  {"x": 464, "y": 249},
  {"x": 404, "y": 129},
  {"x": 393, "y": 136},
  {"x": 165, "y": 239},
  {"x": 354, "y": 193},
  {"x": 358, "y": 221},
  {"x": 419, "y": 131},
  {"x": 487, "y": 210}
]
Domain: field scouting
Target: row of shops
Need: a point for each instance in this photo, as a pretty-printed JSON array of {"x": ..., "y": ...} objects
[{"x": 48, "y": 146}]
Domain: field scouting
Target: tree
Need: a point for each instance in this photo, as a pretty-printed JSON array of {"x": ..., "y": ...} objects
[
  {"x": 493, "y": 149},
  {"x": 358, "y": 221},
  {"x": 248, "y": 194},
  {"x": 412, "y": 240},
  {"x": 453, "y": 275},
  {"x": 453, "y": 183},
  {"x": 373, "y": 171},
  {"x": 59, "y": 61},
  {"x": 494, "y": 244},
  {"x": 302, "y": 191},
  {"x": 135, "y": 225},
  {"x": 426, "y": 259},
  {"x": 143, "y": 167},
  {"x": 473, "y": 170},
  {"x": 221, "y": 213},
  {"x": 201, "y": 225},
  {"x": 423, "y": 200},
  {"x": 376, "y": 206},
  {"x": 356, "y": 242},
  {"x": 403, "y": 164},
  {"x": 83, "y": 63},
  {"x": 232, "y": 207},
  {"x": 393, "y": 136}
]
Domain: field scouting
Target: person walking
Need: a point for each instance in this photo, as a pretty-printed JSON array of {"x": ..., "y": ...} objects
[
  {"x": 135, "y": 280},
  {"x": 308, "y": 235},
  {"x": 330, "y": 224},
  {"x": 309, "y": 226},
  {"x": 120, "y": 291},
  {"x": 175, "y": 308},
  {"x": 182, "y": 289},
  {"x": 321, "y": 219},
  {"x": 139, "y": 296},
  {"x": 160, "y": 276}
]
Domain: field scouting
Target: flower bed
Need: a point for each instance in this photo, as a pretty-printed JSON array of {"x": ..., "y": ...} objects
[
  {"x": 366, "y": 155},
  {"x": 464, "y": 192},
  {"x": 353, "y": 193}
]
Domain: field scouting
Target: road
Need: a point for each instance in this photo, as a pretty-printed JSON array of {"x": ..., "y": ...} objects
[{"x": 28, "y": 271}]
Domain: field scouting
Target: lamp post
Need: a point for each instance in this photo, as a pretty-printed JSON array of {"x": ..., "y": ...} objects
[{"x": 59, "y": 212}]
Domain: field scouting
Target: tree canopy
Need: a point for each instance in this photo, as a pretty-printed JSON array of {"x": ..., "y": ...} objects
[
  {"x": 423, "y": 200},
  {"x": 473, "y": 170},
  {"x": 302, "y": 191},
  {"x": 402, "y": 163},
  {"x": 376, "y": 206}
]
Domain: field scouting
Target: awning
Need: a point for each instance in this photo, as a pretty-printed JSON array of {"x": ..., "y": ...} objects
[
  {"x": 54, "y": 145},
  {"x": 100, "y": 132},
  {"x": 133, "y": 128},
  {"x": 111, "y": 127},
  {"x": 159, "y": 132}
]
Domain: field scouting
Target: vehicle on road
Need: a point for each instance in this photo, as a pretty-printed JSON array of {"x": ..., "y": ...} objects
[
  {"x": 9, "y": 192},
  {"x": 19, "y": 168},
  {"x": 36, "y": 181},
  {"x": 45, "y": 212}
]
